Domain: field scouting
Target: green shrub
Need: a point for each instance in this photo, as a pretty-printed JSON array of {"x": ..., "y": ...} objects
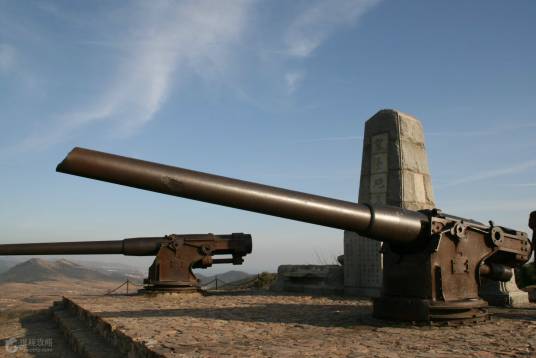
[{"x": 265, "y": 280}]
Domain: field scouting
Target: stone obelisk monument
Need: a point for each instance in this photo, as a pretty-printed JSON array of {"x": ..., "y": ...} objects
[{"x": 394, "y": 171}]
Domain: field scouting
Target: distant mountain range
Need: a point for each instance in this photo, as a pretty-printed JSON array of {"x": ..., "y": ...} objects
[
  {"x": 35, "y": 270},
  {"x": 7, "y": 263}
]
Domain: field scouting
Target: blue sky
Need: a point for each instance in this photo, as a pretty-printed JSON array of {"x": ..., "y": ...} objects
[{"x": 275, "y": 92}]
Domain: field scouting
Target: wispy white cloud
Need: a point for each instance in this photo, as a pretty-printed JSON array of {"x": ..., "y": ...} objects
[
  {"x": 523, "y": 185},
  {"x": 331, "y": 139},
  {"x": 317, "y": 22},
  {"x": 490, "y": 174},
  {"x": 293, "y": 79},
  {"x": 165, "y": 40},
  {"x": 484, "y": 132},
  {"x": 8, "y": 56},
  {"x": 313, "y": 26},
  {"x": 496, "y": 206},
  {"x": 189, "y": 36},
  {"x": 334, "y": 175}
]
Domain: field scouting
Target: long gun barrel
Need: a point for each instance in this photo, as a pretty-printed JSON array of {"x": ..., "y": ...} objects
[
  {"x": 142, "y": 246},
  {"x": 138, "y": 246},
  {"x": 390, "y": 224}
]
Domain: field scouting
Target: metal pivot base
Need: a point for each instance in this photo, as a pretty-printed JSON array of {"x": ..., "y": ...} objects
[
  {"x": 426, "y": 311},
  {"x": 169, "y": 287}
]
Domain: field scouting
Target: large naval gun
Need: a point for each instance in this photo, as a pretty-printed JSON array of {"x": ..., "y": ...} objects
[
  {"x": 437, "y": 261},
  {"x": 176, "y": 255}
]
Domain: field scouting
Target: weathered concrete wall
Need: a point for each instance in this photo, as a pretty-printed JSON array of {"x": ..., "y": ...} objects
[
  {"x": 394, "y": 171},
  {"x": 311, "y": 279}
]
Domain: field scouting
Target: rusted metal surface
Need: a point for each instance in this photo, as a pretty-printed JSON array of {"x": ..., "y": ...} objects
[
  {"x": 442, "y": 279},
  {"x": 435, "y": 261},
  {"x": 176, "y": 255},
  {"x": 172, "y": 268},
  {"x": 496, "y": 272}
]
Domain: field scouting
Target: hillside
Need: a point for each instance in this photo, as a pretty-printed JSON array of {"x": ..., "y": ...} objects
[
  {"x": 262, "y": 281},
  {"x": 238, "y": 280},
  {"x": 35, "y": 270},
  {"x": 6, "y": 264},
  {"x": 227, "y": 277}
]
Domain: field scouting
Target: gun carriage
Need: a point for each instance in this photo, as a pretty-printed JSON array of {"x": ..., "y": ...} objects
[{"x": 176, "y": 255}]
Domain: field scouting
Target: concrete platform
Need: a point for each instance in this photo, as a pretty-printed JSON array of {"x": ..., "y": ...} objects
[{"x": 278, "y": 325}]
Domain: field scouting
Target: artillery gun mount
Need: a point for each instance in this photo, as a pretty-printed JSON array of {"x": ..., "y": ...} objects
[{"x": 176, "y": 255}]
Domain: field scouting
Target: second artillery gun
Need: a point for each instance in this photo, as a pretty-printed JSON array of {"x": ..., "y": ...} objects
[
  {"x": 176, "y": 255},
  {"x": 436, "y": 261}
]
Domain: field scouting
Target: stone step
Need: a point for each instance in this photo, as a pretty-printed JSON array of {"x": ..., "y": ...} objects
[
  {"x": 35, "y": 334},
  {"x": 82, "y": 339},
  {"x": 108, "y": 335}
]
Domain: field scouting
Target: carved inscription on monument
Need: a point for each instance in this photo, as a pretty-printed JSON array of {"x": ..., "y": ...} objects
[{"x": 379, "y": 168}]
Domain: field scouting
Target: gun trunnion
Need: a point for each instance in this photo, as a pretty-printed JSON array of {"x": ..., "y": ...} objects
[
  {"x": 176, "y": 255},
  {"x": 434, "y": 262}
]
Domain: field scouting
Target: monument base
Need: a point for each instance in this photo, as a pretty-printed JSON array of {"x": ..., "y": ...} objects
[
  {"x": 511, "y": 299},
  {"x": 426, "y": 311},
  {"x": 363, "y": 264},
  {"x": 369, "y": 292},
  {"x": 503, "y": 294}
]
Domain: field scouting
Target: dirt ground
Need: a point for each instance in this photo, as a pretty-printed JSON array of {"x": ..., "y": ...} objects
[{"x": 26, "y": 330}]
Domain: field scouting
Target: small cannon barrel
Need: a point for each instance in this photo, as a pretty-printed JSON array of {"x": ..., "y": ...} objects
[
  {"x": 383, "y": 223},
  {"x": 140, "y": 246},
  {"x": 237, "y": 243}
]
